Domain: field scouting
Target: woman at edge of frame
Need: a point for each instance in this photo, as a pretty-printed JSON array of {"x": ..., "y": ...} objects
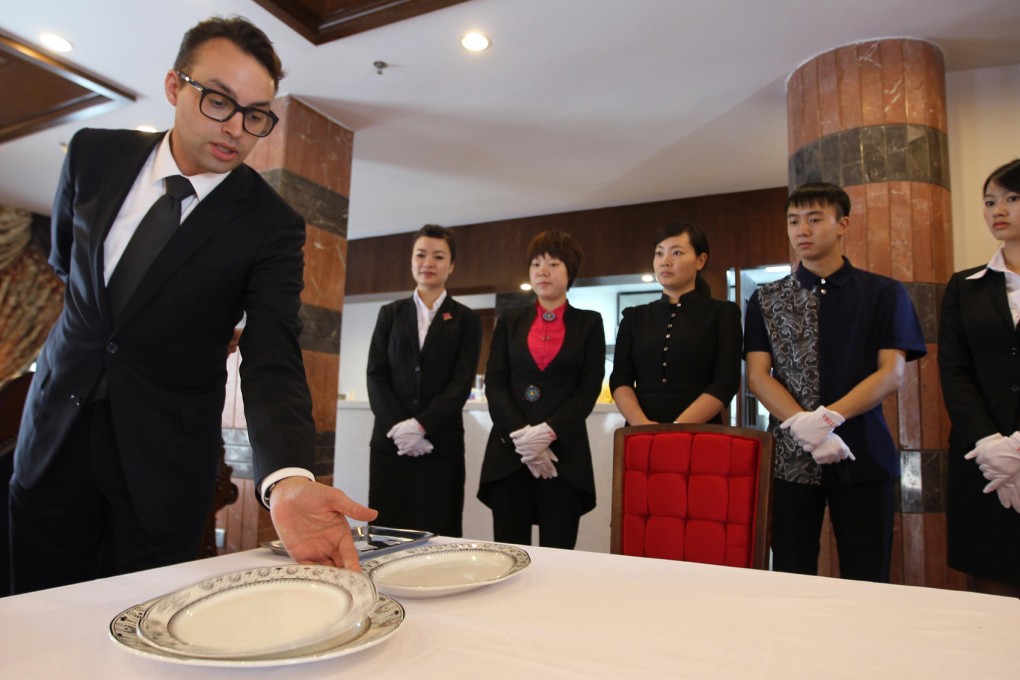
[{"x": 979, "y": 362}]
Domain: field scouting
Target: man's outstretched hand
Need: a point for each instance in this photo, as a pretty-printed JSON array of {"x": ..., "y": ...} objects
[{"x": 311, "y": 520}]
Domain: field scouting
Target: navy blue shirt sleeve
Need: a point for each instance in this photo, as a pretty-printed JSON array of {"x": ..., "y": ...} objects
[{"x": 756, "y": 336}]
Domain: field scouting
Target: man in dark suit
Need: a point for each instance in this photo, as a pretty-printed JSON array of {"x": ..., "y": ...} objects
[{"x": 121, "y": 433}]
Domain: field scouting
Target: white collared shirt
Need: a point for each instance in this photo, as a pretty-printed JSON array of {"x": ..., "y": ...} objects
[
  {"x": 426, "y": 315},
  {"x": 148, "y": 187},
  {"x": 998, "y": 264}
]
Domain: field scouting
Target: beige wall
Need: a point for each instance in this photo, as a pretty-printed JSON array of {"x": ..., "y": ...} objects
[{"x": 984, "y": 132}]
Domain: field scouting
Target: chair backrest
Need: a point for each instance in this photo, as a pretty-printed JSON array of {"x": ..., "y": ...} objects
[{"x": 698, "y": 493}]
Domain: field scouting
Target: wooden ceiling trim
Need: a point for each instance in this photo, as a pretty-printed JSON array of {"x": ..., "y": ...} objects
[
  {"x": 323, "y": 21},
  {"x": 48, "y": 91}
]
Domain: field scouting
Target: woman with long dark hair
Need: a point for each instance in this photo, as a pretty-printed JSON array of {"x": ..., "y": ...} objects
[{"x": 678, "y": 359}]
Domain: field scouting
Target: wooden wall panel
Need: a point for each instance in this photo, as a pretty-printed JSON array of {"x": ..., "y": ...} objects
[{"x": 745, "y": 229}]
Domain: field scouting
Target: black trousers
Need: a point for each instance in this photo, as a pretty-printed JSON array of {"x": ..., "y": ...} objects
[
  {"x": 78, "y": 522},
  {"x": 520, "y": 501},
  {"x": 862, "y": 521}
]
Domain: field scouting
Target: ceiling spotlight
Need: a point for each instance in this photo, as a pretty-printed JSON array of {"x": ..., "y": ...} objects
[
  {"x": 55, "y": 42},
  {"x": 474, "y": 42},
  {"x": 525, "y": 286},
  {"x": 647, "y": 278}
]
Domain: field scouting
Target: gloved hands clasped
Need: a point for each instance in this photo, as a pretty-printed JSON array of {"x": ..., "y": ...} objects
[
  {"x": 409, "y": 436},
  {"x": 998, "y": 458},
  {"x": 532, "y": 444},
  {"x": 813, "y": 432}
]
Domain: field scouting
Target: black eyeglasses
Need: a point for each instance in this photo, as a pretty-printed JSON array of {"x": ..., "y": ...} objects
[{"x": 220, "y": 107}]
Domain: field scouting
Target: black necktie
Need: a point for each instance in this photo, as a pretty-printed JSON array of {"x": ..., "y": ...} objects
[{"x": 152, "y": 233}]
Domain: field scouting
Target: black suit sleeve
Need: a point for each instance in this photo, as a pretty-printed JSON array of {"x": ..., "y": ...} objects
[
  {"x": 968, "y": 412},
  {"x": 278, "y": 403},
  {"x": 381, "y": 395},
  {"x": 62, "y": 220},
  {"x": 450, "y": 400},
  {"x": 623, "y": 374},
  {"x": 502, "y": 408},
  {"x": 576, "y": 408},
  {"x": 729, "y": 340}
]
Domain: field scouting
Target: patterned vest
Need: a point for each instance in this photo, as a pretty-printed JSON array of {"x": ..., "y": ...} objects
[{"x": 790, "y": 313}]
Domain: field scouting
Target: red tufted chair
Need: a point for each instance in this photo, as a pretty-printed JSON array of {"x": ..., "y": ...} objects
[{"x": 698, "y": 493}]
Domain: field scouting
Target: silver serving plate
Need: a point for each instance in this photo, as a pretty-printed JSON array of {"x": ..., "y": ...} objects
[{"x": 372, "y": 541}]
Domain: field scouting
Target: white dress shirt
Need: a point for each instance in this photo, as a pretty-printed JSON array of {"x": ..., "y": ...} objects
[
  {"x": 998, "y": 264},
  {"x": 148, "y": 187},
  {"x": 426, "y": 315}
]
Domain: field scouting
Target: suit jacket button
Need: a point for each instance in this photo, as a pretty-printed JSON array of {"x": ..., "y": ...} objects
[
  {"x": 75, "y": 400},
  {"x": 1013, "y": 351},
  {"x": 112, "y": 348},
  {"x": 414, "y": 401},
  {"x": 1015, "y": 388},
  {"x": 417, "y": 369}
]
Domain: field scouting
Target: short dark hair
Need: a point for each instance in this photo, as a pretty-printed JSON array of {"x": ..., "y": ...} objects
[
  {"x": 820, "y": 193},
  {"x": 698, "y": 241},
  {"x": 436, "y": 231},
  {"x": 1006, "y": 176},
  {"x": 562, "y": 246},
  {"x": 246, "y": 36}
]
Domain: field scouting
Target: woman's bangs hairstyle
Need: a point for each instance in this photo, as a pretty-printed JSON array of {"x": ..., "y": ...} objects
[
  {"x": 1007, "y": 177},
  {"x": 560, "y": 245}
]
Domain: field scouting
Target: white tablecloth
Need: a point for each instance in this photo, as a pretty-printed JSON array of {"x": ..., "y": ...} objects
[{"x": 573, "y": 615}]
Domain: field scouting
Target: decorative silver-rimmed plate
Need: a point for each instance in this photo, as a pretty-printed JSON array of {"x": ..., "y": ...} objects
[
  {"x": 260, "y": 612},
  {"x": 437, "y": 570},
  {"x": 381, "y": 622}
]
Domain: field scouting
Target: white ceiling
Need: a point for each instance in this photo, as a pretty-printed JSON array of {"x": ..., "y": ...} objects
[{"x": 578, "y": 103}]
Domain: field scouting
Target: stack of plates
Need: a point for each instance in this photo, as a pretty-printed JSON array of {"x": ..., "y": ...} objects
[{"x": 266, "y": 616}]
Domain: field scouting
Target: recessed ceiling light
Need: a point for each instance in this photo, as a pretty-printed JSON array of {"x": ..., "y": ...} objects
[
  {"x": 146, "y": 128},
  {"x": 525, "y": 286},
  {"x": 55, "y": 42},
  {"x": 475, "y": 42},
  {"x": 647, "y": 278}
]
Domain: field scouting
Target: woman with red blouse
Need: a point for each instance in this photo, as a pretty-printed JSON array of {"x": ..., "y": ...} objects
[{"x": 542, "y": 379}]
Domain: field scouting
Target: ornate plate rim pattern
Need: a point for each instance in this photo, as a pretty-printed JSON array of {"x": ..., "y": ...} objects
[
  {"x": 520, "y": 557},
  {"x": 156, "y": 625},
  {"x": 379, "y": 624}
]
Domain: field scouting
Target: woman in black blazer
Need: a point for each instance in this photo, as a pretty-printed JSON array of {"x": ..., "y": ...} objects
[
  {"x": 678, "y": 358},
  {"x": 979, "y": 359},
  {"x": 542, "y": 379},
  {"x": 421, "y": 367}
]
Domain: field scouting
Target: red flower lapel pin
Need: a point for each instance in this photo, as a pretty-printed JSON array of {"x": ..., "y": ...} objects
[{"x": 447, "y": 316}]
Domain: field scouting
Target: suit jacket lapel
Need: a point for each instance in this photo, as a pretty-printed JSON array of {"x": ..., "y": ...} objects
[
  {"x": 407, "y": 323},
  {"x": 439, "y": 323},
  {"x": 219, "y": 208},
  {"x": 128, "y": 162},
  {"x": 994, "y": 284}
]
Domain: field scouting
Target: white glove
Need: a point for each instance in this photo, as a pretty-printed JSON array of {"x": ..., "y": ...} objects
[
  {"x": 531, "y": 440},
  {"x": 1009, "y": 492},
  {"x": 541, "y": 466},
  {"x": 407, "y": 435},
  {"x": 997, "y": 457},
  {"x": 810, "y": 429},
  {"x": 832, "y": 450},
  {"x": 420, "y": 449}
]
